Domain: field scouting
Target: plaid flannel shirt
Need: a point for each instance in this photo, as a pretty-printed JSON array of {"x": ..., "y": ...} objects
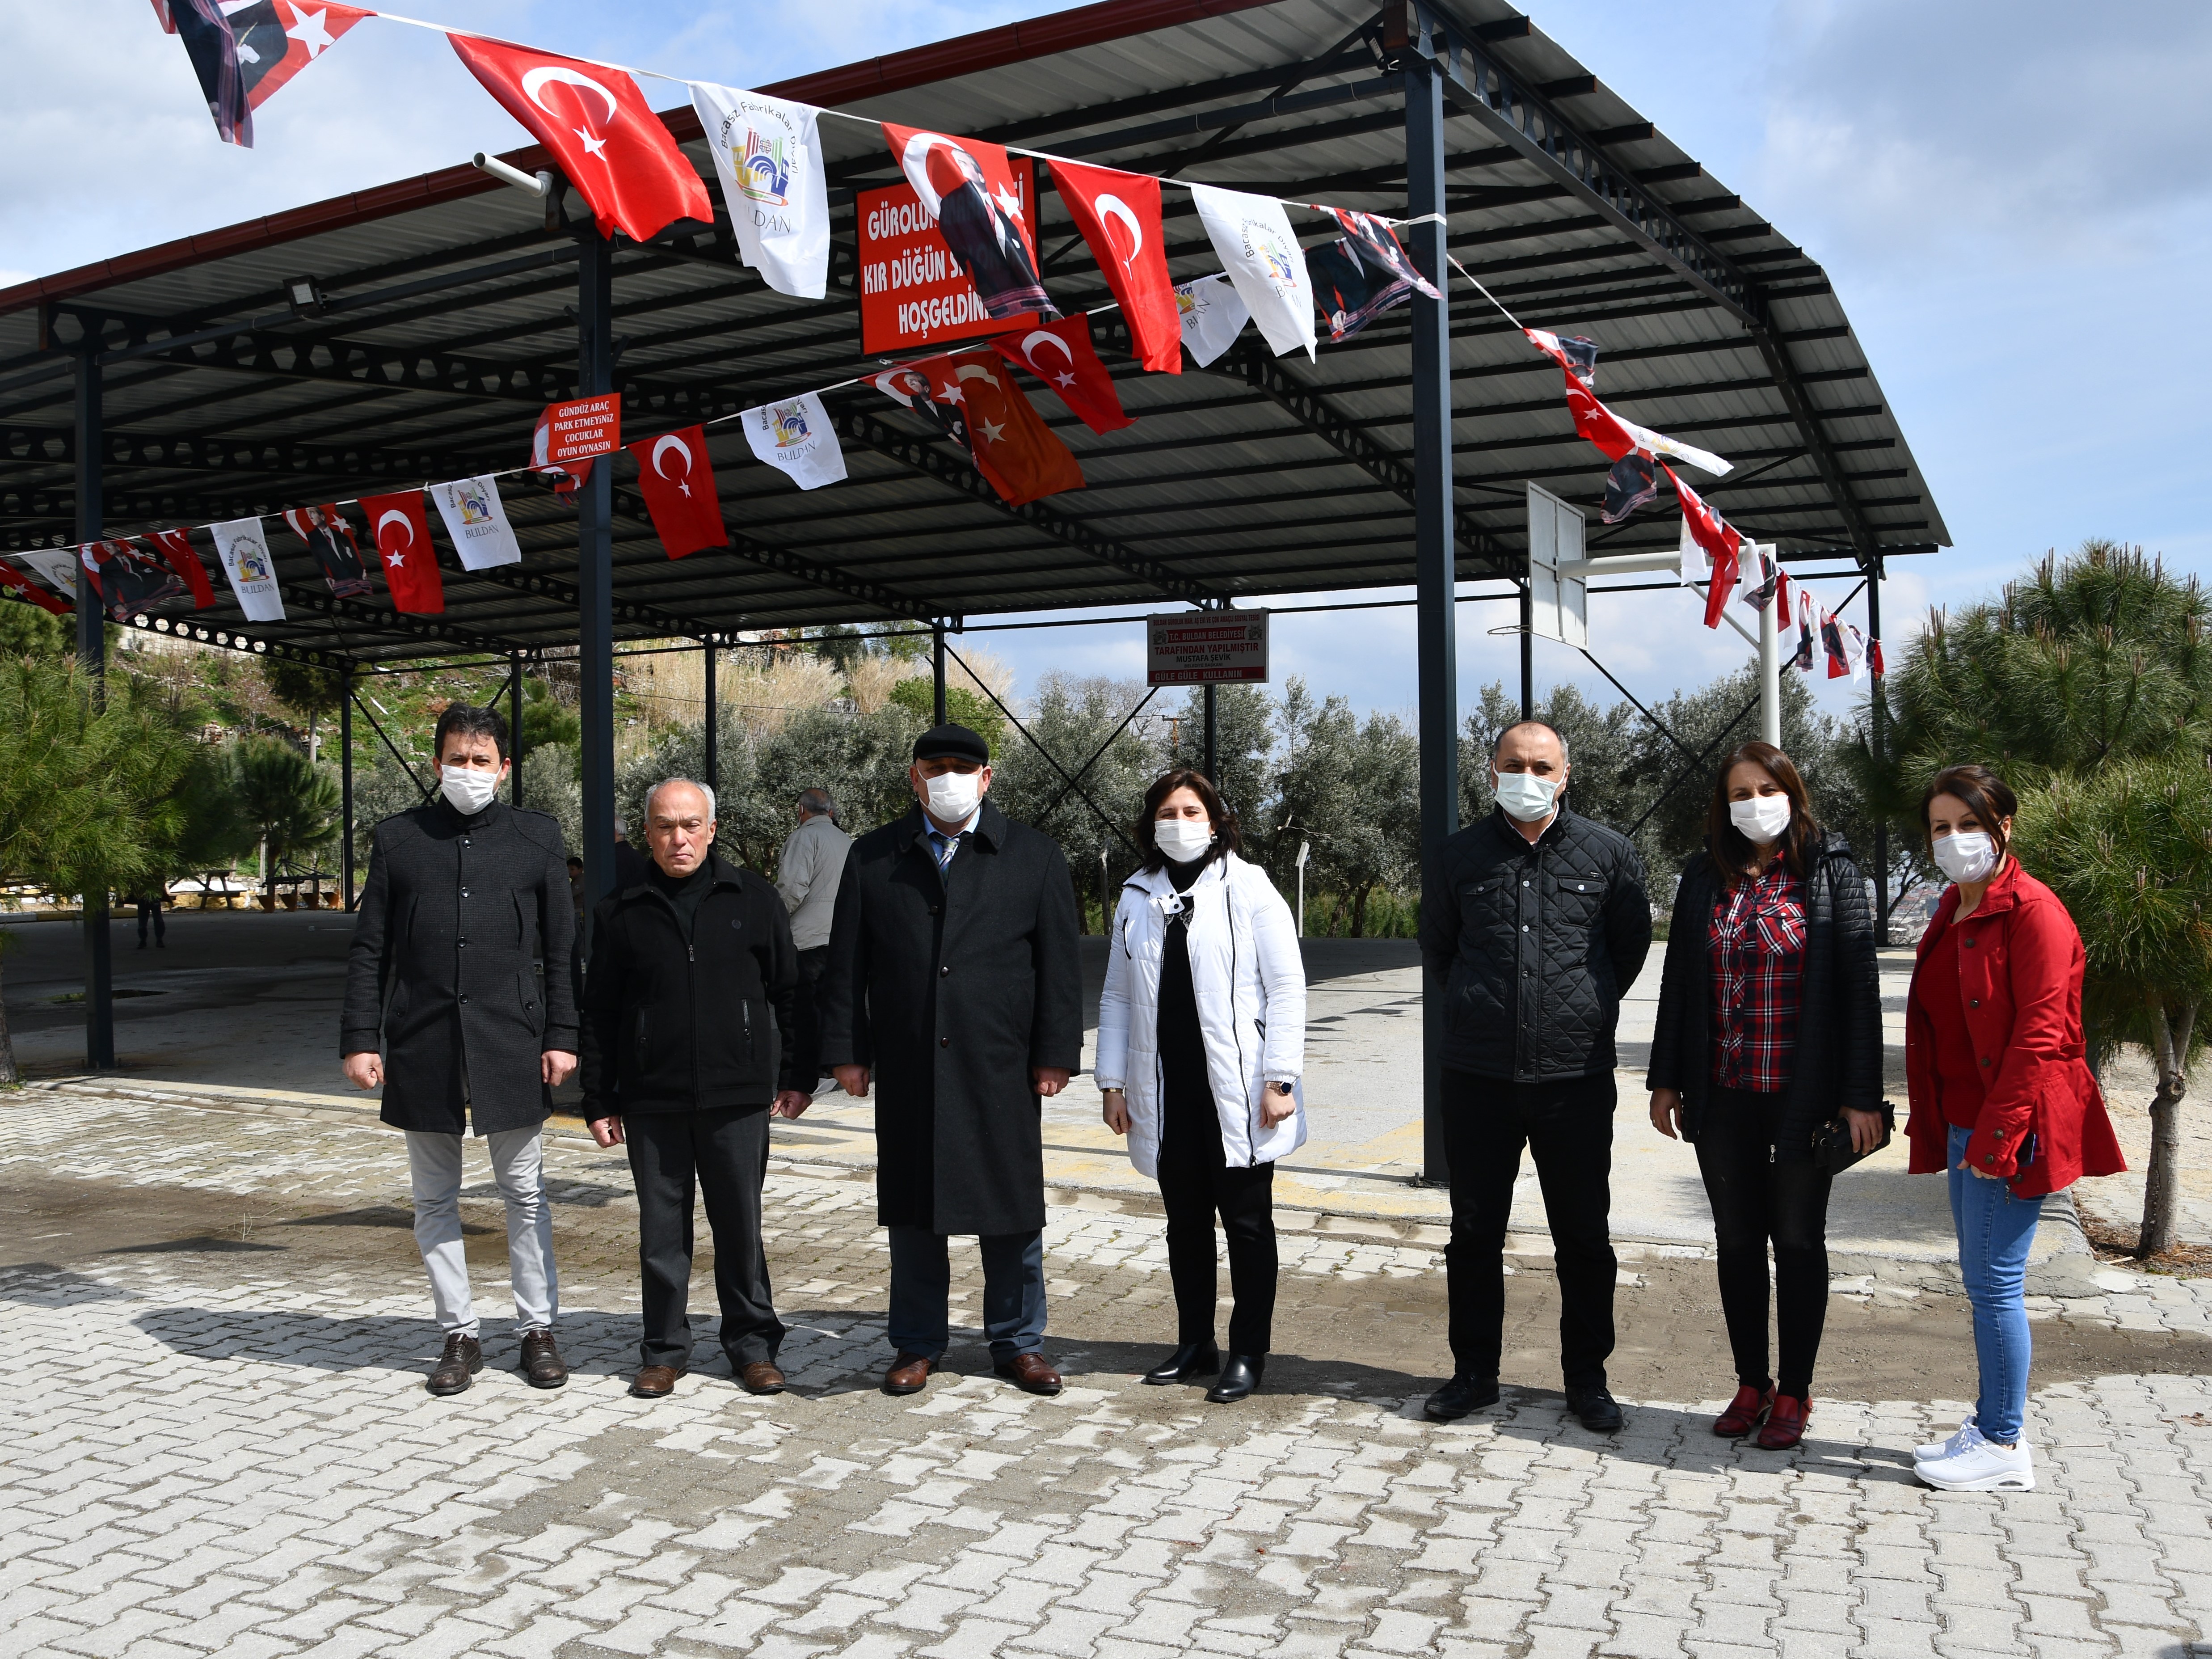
[{"x": 1755, "y": 947}]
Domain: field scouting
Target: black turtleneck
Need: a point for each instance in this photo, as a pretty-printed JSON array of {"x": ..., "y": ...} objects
[
  {"x": 1190, "y": 1130},
  {"x": 686, "y": 893}
]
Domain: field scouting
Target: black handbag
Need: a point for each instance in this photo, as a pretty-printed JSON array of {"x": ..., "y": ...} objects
[{"x": 1831, "y": 1142}]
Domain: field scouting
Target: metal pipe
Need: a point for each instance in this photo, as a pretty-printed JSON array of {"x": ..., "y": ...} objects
[
  {"x": 937, "y": 669},
  {"x": 1770, "y": 669},
  {"x": 1877, "y": 739},
  {"x": 92, "y": 654},
  {"x": 1213, "y": 766},
  {"x": 1435, "y": 569},
  {"x": 515, "y": 727},
  {"x": 345, "y": 785},
  {"x": 539, "y": 183},
  {"x": 712, "y": 767},
  {"x": 595, "y": 620}
]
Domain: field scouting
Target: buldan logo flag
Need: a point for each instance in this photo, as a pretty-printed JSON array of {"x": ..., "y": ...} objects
[
  {"x": 1212, "y": 314},
  {"x": 771, "y": 162},
  {"x": 476, "y": 519},
  {"x": 243, "y": 546},
  {"x": 1252, "y": 234},
  {"x": 797, "y": 439}
]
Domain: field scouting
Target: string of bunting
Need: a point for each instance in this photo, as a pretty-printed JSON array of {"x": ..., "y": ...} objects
[{"x": 592, "y": 117}]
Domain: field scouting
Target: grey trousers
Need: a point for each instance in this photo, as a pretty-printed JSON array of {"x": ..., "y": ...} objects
[{"x": 518, "y": 1156}]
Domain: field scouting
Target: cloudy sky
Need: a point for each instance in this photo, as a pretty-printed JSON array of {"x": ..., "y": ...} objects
[{"x": 2011, "y": 199}]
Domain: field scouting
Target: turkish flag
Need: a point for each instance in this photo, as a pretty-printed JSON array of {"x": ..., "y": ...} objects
[
  {"x": 1119, "y": 215},
  {"x": 176, "y": 547},
  {"x": 13, "y": 578},
  {"x": 679, "y": 490},
  {"x": 1594, "y": 421},
  {"x": 1718, "y": 537},
  {"x": 1012, "y": 448},
  {"x": 403, "y": 542},
  {"x": 610, "y": 145},
  {"x": 1060, "y": 355}
]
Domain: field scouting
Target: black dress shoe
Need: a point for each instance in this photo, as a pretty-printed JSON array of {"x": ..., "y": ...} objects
[
  {"x": 1240, "y": 1375},
  {"x": 1191, "y": 1359},
  {"x": 1597, "y": 1410},
  {"x": 1460, "y": 1396}
]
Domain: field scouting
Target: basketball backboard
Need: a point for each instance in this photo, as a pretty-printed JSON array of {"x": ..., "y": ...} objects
[{"x": 1559, "y": 604}]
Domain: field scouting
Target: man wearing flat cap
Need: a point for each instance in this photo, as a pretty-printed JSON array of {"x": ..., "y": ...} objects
[{"x": 952, "y": 984}]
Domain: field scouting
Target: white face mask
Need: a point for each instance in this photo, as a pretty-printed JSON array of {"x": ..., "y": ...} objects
[
  {"x": 1524, "y": 795},
  {"x": 1967, "y": 856},
  {"x": 469, "y": 788},
  {"x": 953, "y": 795},
  {"x": 1183, "y": 839},
  {"x": 1762, "y": 818}
]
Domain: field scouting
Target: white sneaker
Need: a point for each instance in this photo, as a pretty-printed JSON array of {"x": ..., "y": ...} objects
[
  {"x": 1951, "y": 1447},
  {"x": 1980, "y": 1466}
]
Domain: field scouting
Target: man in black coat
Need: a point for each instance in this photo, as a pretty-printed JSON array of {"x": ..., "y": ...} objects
[
  {"x": 1534, "y": 922},
  {"x": 465, "y": 898},
  {"x": 953, "y": 977},
  {"x": 688, "y": 1048}
]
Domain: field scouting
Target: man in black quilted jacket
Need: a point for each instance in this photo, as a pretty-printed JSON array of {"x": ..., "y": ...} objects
[{"x": 1534, "y": 922}]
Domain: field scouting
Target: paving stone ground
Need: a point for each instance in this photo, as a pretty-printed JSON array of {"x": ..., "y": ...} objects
[{"x": 213, "y": 1328}]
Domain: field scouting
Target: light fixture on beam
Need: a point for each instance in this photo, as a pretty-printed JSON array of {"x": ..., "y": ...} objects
[{"x": 305, "y": 295}]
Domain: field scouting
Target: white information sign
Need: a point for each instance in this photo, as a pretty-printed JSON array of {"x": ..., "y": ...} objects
[{"x": 1205, "y": 647}]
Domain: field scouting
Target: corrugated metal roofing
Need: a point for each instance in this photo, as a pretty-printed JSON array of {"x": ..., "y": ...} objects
[{"x": 451, "y": 323}]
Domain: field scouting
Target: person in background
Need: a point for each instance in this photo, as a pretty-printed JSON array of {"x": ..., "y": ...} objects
[
  {"x": 466, "y": 895},
  {"x": 688, "y": 1050},
  {"x": 1769, "y": 1030},
  {"x": 149, "y": 903},
  {"x": 2003, "y": 1097},
  {"x": 1201, "y": 1040},
  {"x": 953, "y": 980},
  {"x": 631, "y": 866},
  {"x": 1534, "y": 922},
  {"x": 806, "y": 875}
]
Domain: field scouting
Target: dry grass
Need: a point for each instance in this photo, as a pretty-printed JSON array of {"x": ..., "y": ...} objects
[{"x": 765, "y": 689}]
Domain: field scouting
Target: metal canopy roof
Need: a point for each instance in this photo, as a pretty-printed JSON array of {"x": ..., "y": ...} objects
[{"x": 450, "y": 320}]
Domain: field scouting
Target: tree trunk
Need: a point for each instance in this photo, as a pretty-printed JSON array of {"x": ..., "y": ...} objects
[
  {"x": 1359, "y": 912},
  {"x": 2162, "y": 1174}
]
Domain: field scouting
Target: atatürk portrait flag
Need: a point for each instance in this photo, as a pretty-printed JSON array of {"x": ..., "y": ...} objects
[
  {"x": 969, "y": 189},
  {"x": 243, "y": 53}
]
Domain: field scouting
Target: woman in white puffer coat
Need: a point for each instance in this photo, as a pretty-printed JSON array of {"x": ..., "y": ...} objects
[{"x": 1201, "y": 1039}]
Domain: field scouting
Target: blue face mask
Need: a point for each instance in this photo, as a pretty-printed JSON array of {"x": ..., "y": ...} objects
[{"x": 1524, "y": 795}]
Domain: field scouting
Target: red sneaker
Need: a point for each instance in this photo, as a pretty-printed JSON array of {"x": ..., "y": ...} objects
[
  {"x": 1785, "y": 1423},
  {"x": 1745, "y": 1413}
]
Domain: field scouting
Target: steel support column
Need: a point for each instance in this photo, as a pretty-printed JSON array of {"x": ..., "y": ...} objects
[
  {"x": 345, "y": 786},
  {"x": 937, "y": 669},
  {"x": 92, "y": 652},
  {"x": 1528, "y": 650},
  {"x": 1435, "y": 570},
  {"x": 595, "y": 625},
  {"x": 515, "y": 727},
  {"x": 1878, "y": 737},
  {"x": 711, "y": 764},
  {"x": 1212, "y": 765}
]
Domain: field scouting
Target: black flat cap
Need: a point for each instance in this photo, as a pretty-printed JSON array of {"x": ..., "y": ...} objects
[{"x": 956, "y": 741}]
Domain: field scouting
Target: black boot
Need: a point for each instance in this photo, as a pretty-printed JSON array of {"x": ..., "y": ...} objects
[
  {"x": 1189, "y": 1359},
  {"x": 1594, "y": 1409},
  {"x": 1240, "y": 1375},
  {"x": 1459, "y": 1397}
]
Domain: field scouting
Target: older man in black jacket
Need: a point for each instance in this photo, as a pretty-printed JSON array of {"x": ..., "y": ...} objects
[
  {"x": 688, "y": 1050},
  {"x": 465, "y": 899},
  {"x": 1534, "y": 922},
  {"x": 953, "y": 977}
]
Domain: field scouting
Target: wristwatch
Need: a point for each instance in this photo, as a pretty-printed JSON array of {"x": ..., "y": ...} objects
[{"x": 1280, "y": 1088}]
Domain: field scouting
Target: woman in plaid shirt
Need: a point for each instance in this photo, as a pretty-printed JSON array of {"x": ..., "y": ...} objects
[{"x": 1769, "y": 1029}]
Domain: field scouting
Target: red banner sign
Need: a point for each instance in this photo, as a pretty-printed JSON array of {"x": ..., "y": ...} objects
[
  {"x": 913, "y": 292},
  {"x": 579, "y": 428}
]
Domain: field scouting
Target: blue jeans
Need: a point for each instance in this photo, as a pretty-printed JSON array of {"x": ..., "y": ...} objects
[
  {"x": 1013, "y": 1292},
  {"x": 1996, "y": 1230}
]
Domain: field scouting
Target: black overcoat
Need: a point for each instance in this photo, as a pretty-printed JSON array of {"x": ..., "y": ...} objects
[
  {"x": 455, "y": 919},
  {"x": 952, "y": 990},
  {"x": 1836, "y": 1060}
]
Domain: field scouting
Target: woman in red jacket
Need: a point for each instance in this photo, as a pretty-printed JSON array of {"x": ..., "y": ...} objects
[{"x": 2003, "y": 1099}]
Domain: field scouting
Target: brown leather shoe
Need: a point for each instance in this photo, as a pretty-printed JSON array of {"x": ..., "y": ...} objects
[
  {"x": 761, "y": 1376},
  {"x": 462, "y": 1360},
  {"x": 654, "y": 1381},
  {"x": 909, "y": 1373},
  {"x": 541, "y": 1361},
  {"x": 1030, "y": 1372}
]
